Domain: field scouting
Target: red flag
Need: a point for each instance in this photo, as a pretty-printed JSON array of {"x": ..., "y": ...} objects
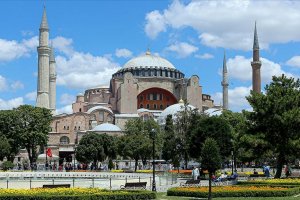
[{"x": 49, "y": 152}]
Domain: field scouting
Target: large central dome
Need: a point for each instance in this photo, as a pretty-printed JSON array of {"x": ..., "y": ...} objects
[{"x": 148, "y": 60}]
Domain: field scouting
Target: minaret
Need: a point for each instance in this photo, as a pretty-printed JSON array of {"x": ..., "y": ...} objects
[
  {"x": 52, "y": 83},
  {"x": 43, "y": 49},
  {"x": 256, "y": 64},
  {"x": 225, "y": 84}
]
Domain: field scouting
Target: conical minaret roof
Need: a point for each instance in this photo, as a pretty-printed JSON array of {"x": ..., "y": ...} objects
[
  {"x": 44, "y": 23},
  {"x": 255, "y": 43}
]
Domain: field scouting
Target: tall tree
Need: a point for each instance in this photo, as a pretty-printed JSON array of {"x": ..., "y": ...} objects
[
  {"x": 4, "y": 147},
  {"x": 210, "y": 159},
  {"x": 35, "y": 125},
  {"x": 183, "y": 123},
  {"x": 211, "y": 127},
  {"x": 95, "y": 148},
  {"x": 276, "y": 116},
  {"x": 136, "y": 143},
  {"x": 169, "y": 150},
  {"x": 10, "y": 129}
]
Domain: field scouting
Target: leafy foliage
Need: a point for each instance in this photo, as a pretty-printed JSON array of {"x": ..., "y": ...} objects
[
  {"x": 136, "y": 143},
  {"x": 95, "y": 147},
  {"x": 276, "y": 118}
]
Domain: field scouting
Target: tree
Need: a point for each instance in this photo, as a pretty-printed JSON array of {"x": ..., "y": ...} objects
[
  {"x": 169, "y": 150},
  {"x": 276, "y": 118},
  {"x": 4, "y": 147},
  {"x": 95, "y": 148},
  {"x": 183, "y": 124},
  {"x": 10, "y": 128},
  {"x": 210, "y": 159},
  {"x": 136, "y": 143},
  {"x": 34, "y": 123},
  {"x": 211, "y": 127}
]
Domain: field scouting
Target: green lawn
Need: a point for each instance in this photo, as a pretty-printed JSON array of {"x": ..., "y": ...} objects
[{"x": 163, "y": 196}]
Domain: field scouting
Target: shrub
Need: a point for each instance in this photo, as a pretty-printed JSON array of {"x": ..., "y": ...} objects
[
  {"x": 6, "y": 165},
  {"x": 234, "y": 191},
  {"x": 74, "y": 194}
]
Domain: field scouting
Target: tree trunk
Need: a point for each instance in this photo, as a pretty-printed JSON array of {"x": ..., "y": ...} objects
[
  {"x": 136, "y": 164},
  {"x": 209, "y": 186},
  {"x": 186, "y": 159},
  {"x": 29, "y": 156},
  {"x": 280, "y": 162}
]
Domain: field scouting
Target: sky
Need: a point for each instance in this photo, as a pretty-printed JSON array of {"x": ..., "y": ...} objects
[{"x": 93, "y": 39}]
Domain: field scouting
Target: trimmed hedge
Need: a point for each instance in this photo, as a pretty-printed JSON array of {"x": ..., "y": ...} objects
[
  {"x": 103, "y": 195},
  {"x": 272, "y": 182},
  {"x": 228, "y": 193}
]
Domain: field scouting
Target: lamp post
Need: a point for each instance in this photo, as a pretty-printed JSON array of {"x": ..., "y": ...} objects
[
  {"x": 153, "y": 133},
  {"x": 232, "y": 162}
]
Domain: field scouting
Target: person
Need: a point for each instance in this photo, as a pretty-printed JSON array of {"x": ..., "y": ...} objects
[
  {"x": 234, "y": 175},
  {"x": 266, "y": 170},
  {"x": 254, "y": 171},
  {"x": 287, "y": 171},
  {"x": 195, "y": 173}
]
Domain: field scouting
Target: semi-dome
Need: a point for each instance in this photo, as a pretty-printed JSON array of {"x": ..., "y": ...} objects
[
  {"x": 106, "y": 127},
  {"x": 148, "y": 60},
  {"x": 173, "y": 110}
]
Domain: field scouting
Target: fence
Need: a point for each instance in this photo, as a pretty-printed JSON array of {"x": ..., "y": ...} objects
[{"x": 80, "y": 179}]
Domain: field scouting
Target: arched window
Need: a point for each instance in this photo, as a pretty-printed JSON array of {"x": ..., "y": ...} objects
[
  {"x": 79, "y": 109},
  {"x": 64, "y": 140}
]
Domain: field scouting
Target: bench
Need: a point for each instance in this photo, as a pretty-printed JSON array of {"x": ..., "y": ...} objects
[
  {"x": 191, "y": 183},
  {"x": 57, "y": 186},
  {"x": 134, "y": 185}
]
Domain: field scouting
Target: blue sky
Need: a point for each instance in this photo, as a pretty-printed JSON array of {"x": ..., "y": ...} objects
[{"x": 93, "y": 39}]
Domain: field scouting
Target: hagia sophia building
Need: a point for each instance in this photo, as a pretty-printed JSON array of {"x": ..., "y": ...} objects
[{"x": 146, "y": 86}]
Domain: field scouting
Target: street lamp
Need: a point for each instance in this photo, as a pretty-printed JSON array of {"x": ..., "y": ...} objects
[
  {"x": 152, "y": 135},
  {"x": 232, "y": 162}
]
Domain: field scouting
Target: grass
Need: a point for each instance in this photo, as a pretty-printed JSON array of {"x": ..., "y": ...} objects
[{"x": 163, "y": 196}]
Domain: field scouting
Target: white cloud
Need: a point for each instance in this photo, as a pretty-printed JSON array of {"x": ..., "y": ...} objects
[
  {"x": 31, "y": 96},
  {"x": 230, "y": 24},
  {"x": 27, "y": 33},
  {"x": 155, "y": 24},
  {"x": 81, "y": 70},
  {"x": 66, "y": 99},
  {"x": 182, "y": 49},
  {"x": 294, "y": 61},
  {"x": 240, "y": 68},
  {"x": 63, "y": 45},
  {"x": 124, "y": 53},
  {"x": 11, "y": 49},
  {"x": 204, "y": 56},
  {"x": 236, "y": 98},
  {"x": 66, "y": 109},
  {"x": 10, "y": 104},
  {"x": 17, "y": 85},
  {"x": 3, "y": 83}
]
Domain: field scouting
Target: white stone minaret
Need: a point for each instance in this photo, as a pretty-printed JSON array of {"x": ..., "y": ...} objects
[
  {"x": 43, "y": 49},
  {"x": 52, "y": 83},
  {"x": 225, "y": 84}
]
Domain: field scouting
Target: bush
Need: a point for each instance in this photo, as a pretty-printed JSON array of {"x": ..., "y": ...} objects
[
  {"x": 74, "y": 194},
  {"x": 234, "y": 191},
  {"x": 273, "y": 182},
  {"x": 6, "y": 165}
]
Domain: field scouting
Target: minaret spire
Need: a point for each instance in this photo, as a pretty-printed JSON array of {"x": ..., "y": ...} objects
[
  {"x": 43, "y": 49},
  {"x": 225, "y": 83},
  {"x": 256, "y": 64}
]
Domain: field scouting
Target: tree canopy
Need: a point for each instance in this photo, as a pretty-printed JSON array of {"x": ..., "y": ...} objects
[
  {"x": 95, "y": 148},
  {"x": 276, "y": 118}
]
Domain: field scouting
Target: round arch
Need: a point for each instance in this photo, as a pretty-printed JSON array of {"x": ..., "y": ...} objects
[{"x": 155, "y": 99}]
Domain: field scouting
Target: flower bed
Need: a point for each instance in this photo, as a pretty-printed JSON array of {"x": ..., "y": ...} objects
[
  {"x": 287, "y": 181},
  {"x": 74, "y": 194},
  {"x": 234, "y": 191}
]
